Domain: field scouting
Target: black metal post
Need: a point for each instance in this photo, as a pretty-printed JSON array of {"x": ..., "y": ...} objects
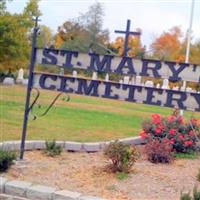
[{"x": 29, "y": 88}]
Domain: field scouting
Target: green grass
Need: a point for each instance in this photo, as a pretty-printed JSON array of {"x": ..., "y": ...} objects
[
  {"x": 192, "y": 155},
  {"x": 122, "y": 176},
  {"x": 81, "y": 119}
]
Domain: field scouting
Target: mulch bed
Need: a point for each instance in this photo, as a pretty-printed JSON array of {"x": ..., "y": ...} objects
[{"x": 86, "y": 173}]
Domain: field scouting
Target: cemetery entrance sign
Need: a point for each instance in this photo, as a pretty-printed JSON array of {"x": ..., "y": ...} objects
[
  {"x": 132, "y": 92},
  {"x": 120, "y": 65}
]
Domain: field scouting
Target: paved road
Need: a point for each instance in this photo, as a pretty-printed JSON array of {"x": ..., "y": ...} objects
[{"x": 8, "y": 197}]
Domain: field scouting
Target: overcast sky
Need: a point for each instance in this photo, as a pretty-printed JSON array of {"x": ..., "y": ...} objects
[{"x": 152, "y": 16}]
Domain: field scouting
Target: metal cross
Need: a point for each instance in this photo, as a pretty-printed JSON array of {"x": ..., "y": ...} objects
[{"x": 127, "y": 32}]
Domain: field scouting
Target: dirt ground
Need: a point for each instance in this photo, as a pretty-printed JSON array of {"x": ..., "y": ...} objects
[{"x": 85, "y": 173}]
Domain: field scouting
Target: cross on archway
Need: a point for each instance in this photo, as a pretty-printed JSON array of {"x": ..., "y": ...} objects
[{"x": 127, "y": 32}]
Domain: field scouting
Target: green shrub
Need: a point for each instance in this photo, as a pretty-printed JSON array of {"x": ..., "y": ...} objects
[
  {"x": 185, "y": 196},
  {"x": 196, "y": 194},
  {"x": 123, "y": 156},
  {"x": 52, "y": 149},
  {"x": 122, "y": 176},
  {"x": 198, "y": 176},
  {"x": 6, "y": 159}
]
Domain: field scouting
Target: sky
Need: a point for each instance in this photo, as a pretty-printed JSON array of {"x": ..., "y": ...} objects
[{"x": 152, "y": 16}]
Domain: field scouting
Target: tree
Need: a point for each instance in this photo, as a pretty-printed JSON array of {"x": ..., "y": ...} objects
[
  {"x": 85, "y": 32},
  {"x": 2, "y": 6},
  {"x": 169, "y": 45},
  {"x": 134, "y": 45},
  {"x": 195, "y": 52},
  {"x": 15, "y": 32},
  {"x": 13, "y": 42},
  {"x": 45, "y": 37}
]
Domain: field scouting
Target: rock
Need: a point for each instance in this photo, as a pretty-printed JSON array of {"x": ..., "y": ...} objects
[
  {"x": 8, "y": 81},
  {"x": 40, "y": 192},
  {"x": 65, "y": 194},
  {"x": 17, "y": 188}
]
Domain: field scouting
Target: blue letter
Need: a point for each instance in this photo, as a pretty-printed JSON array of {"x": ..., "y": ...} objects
[
  {"x": 126, "y": 62},
  {"x": 197, "y": 98},
  {"x": 68, "y": 57},
  {"x": 150, "y": 96},
  {"x": 43, "y": 78},
  {"x": 154, "y": 69},
  {"x": 50, "y": 58},
  {"x": 175, "y": 72},
  {"x": 97, "y": 65},
  {"x": 83, "y": 88},
  {"x": 63, "y": 84},
  {"x": 131, "y": 93},
  {"x": 108, "y": 90},
  {"x": 179, "y": 101}
]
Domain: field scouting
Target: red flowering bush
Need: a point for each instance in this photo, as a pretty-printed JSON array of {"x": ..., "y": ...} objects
[
  {"x": 181, "y": 134},
  {"x": 158, "y": 151}
]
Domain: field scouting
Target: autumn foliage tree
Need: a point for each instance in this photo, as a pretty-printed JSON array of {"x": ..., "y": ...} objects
[
  {"x": 134, "y": 44},
  {"x": 169, "y": 45},
  {"x": 84, "y": 32}
]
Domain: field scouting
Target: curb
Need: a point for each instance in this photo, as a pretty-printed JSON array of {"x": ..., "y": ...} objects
[
  {"x": 68, "y": 145},
  {"x": 23, "y": 189}
]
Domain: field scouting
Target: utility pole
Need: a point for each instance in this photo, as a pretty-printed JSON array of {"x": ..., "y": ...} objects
[{"x": 189, "y": 33}]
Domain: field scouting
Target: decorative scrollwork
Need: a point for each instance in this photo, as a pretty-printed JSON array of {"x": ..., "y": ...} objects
[{"x": 66, "y": 98}]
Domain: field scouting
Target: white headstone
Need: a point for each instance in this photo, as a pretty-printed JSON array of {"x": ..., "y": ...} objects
[
  {"x": 183, "y": 87},
  {"x": 107, "y": 77},
  {"x": 8, "y": 81},
  {"x": 132, "y": 82},
  {"x": 25, "y": 82},
  {"x": 149, "y": 83},
  {"x": 175, "y": 88},
  {"x": 188, "y": 89},
  {"x": 165, "y": 84},
  {"x": 121, "y": 81},
  {"x": 20, "y": 76},
  {"x": 126, "y": 79},
  {"x": 74, "y": 74},
  {"x": 138, "y": 80},
  {"x": 62, "y": 72},
  {"x": 158, "y": 85},
  {"x": 94, "y": 76}
]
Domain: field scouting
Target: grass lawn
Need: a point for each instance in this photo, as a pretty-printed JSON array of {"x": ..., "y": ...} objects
[{"x": 81, "y": 119}]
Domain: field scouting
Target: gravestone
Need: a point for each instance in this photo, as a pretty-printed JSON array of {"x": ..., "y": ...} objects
[
  {"x": 175, "y": 88},
  {"x": 165, "y": 84},
  {"x": 183, "y": 87},
  {"x": 25, "y": 82},
  {"x": 107, "y": 77},
  {"x": 149, "y": 84},
  {"x": 74, "y": 73},
  {"x": 121, "y": 81},
  {"x": 188, "y": 89},
  {"x": 8, "y": 81},
  {"x": 62, "y": 72},
  {"x": 20, "y": 76},
  {"x": 126, "y": 80},
  {"x": 158, "y": 85},
  {"x": 132, "y": 82},
  {"x": 138, "y": 80},
  {"x": 94, "y": 76}
]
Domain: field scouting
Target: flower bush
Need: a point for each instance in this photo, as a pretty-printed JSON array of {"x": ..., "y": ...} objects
[
  {"x": 123, "y": 156},
  {"x": 182, "y": 134},
  {"x": 159, "y": 151}
]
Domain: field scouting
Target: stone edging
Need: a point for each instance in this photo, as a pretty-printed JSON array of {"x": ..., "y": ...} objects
[
  {"x": 67, "y": 145},
  {"x": 32, "y": 191}
]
